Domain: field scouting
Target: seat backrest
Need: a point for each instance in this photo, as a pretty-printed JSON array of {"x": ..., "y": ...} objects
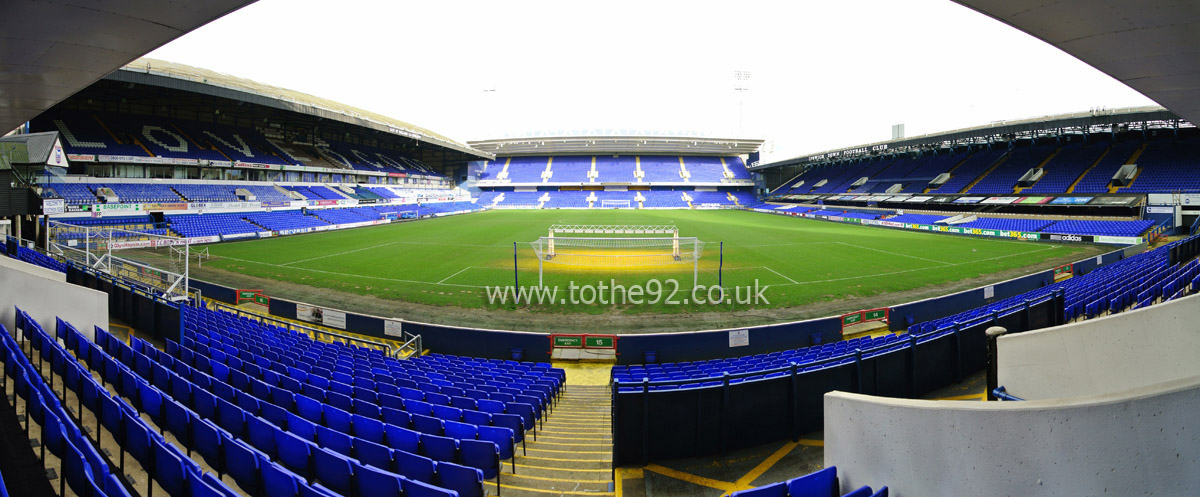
[
  {"x": 332, "y": 470},
  {"x": 428, "y": 424},
  {"x": 414, "y": 488},
  {"x": 480, "y": 454},
  {"x": 241, "y": 462},
  {"x": 404, "y": 439},
  {"x": 294, "y": 452},
  {"x": 413, "y": 466},
  {"x": 461, "y": 431},
  {"x": 467, "y": 481},
  {"x": 278, "y": 481},
  {"x": 367, "y": 428},
  {"x": 478, "y": 418},
  {"x": 439, "y": 448},
  {"x": 373, "y": 453},
  {"x": 396, "y": 417},
  {"x": 375, "y": 482},
  {"x": 817, "y": 484},
  {"x": 335, "y": 440}
]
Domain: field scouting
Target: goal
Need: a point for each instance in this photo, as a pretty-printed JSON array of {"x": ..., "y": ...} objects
[
  {"x": 617, "y": 247},
  {"x": 615, "y": 204},
  {"x": 166, "y": 258}
]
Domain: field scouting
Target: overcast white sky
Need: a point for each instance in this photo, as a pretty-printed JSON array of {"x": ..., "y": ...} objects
[{"x": 823, "y": 75}]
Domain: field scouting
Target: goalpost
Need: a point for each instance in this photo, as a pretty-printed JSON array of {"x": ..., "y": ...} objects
[
  {"x": 620, "y": 250},
  {"x": 95, "y": 247},
  {"x": 615, "y": 204}
]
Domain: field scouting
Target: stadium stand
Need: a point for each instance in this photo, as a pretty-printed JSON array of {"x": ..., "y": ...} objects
[
  {"x": 144, "y": 192},
  {"x": 570, "y": 168},
  {"x": 72, "y": 193},
  {"x": 916, "y": 218},
  {"x": 991, "y": 223},
  {"x": 1067, "y": 166},
  {"x": 284, "y": 220},
  {"x": 1103, "y": 228},
  {"x": 1020, "y": 159},
  {"x": 85, "y": 133},
  {"x": 1168, "y": 165},
  {"x": 615, "y": 169},
  {"x": 969, "y": 169},
  {"x": 657, "y": 168},
  {"x": 196, "y": 225},
  {"x": 1096, "y": 179},
  {"x": 207, "y": 193},
  {"x": 526, "y": 169}
]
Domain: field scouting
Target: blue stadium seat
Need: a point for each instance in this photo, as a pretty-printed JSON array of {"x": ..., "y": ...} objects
[
  {"x": 414, "y": 488},
  {"x": 333, "y": 470},
  {"x": 278, "y": 481},
  {"x": 503, "y": 438},
  {"x": 206, "y": 440},
  {"x": 482, "y": 455},
  {"x": 415, "y": 467},
  {"x": 335, "y": 440},
  {"x": 439, "y": 448},
  {"x": 241, "y": 463},
  {"x": 817, "y": 484},
  {"x": 372, "y": 453},
  {"x": 170, "y": 470},
  {"x": 468, "y": 482},
  {"x": 402, "y": 438},
  {"x": 375, "y": 482},
  {"x": 294, "y": 452},
  {"x": 367, "y": 428}
]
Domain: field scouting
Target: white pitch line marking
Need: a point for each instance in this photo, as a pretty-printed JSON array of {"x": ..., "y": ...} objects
[
  {"x": 340, "y": 253},
  {"x": 920, "y": 268},
  {"x": 891, "y": 253},
  {"x": 398, "y": 280},
  {"x": 794, "y": 282},
  {"x": 455, "y": 274}
]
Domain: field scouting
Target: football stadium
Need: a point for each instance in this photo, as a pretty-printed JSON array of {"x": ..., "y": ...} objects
[{"x": 216, "y": 286}]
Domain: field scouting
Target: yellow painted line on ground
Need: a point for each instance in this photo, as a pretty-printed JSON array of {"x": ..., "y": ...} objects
[
  {"x": 552, "y": 468},
  {"x": 974, "y": 396},
  {"x": 572, "y": 451},
  {"x": 569, "y": 444},
  {"x": 573, "y": 438},
  {"x": 766, "y": 464},
  {"x": 618, "y": 482},
  {"x": 546, "y": 478},
  {"x": 812, "y": 443},
  {"x": 567, "y": 460},
  {"x": 557, "y": 492},
  {"x": 723, "y": 486},
  {"x": 577, "y": 422}
]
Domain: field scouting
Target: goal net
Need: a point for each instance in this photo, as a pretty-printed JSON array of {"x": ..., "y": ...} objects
[
  {"x": 138, "y": 253},
  {"x": 615, "y": 204},
  {"x": 617, "y": 247}
]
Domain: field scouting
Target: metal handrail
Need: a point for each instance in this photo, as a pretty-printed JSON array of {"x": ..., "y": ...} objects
[
  {"x": 1001, "y": 394},
  {"x": 392, "y": 351}
]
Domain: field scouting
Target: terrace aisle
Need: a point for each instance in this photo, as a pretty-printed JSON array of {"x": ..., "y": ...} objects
[{"x": 573, "y": 452}]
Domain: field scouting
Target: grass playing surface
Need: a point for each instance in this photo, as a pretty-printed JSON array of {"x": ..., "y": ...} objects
[{"x": 450, "y": 260}]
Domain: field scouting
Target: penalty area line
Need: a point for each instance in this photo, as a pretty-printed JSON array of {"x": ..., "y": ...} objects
[
  {"x": 777, "y": 273},
  {"x": 460, "y": 271}
]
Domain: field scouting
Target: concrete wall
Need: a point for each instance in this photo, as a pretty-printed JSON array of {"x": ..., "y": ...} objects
[
  {"x": 1118, "y": 352},
  {"x": 1140, "y": 442},
  {"x": 45, "y": 294}
]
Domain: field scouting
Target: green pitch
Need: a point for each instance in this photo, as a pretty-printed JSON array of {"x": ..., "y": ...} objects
[{"x": 454, "y": 260}]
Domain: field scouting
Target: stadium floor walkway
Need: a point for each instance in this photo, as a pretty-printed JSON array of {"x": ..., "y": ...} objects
[
  {"x": 749, "y": 468},
  {"x": 573, "y": 452}
]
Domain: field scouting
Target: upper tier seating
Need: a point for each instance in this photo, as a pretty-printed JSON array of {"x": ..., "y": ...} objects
[
  {"x": 1066, "y": 166},
  {"x": 238, "y": 144},
  {"x": 207, "y": 193},
  {"x": 616, "y": 169},
  {"x": 1097, "y": 178},
  {"x": 990, "y": 223},
  {"x": 74, "y": 193},
  {"x": 265, "y": 193},
  {"x": 570, "y": 169},
  {"x": 705, "y": 169},
  {"x": 526, "y": 169},
  {"x": 84, "y": 133},
  {"x": 1020, "y": 160},
  {"x": 660, "y": 169},
  {"x": 968, "y": 170},
  {"x": 144, "y": 192},
  {"x": 1168, "y": 165}
]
